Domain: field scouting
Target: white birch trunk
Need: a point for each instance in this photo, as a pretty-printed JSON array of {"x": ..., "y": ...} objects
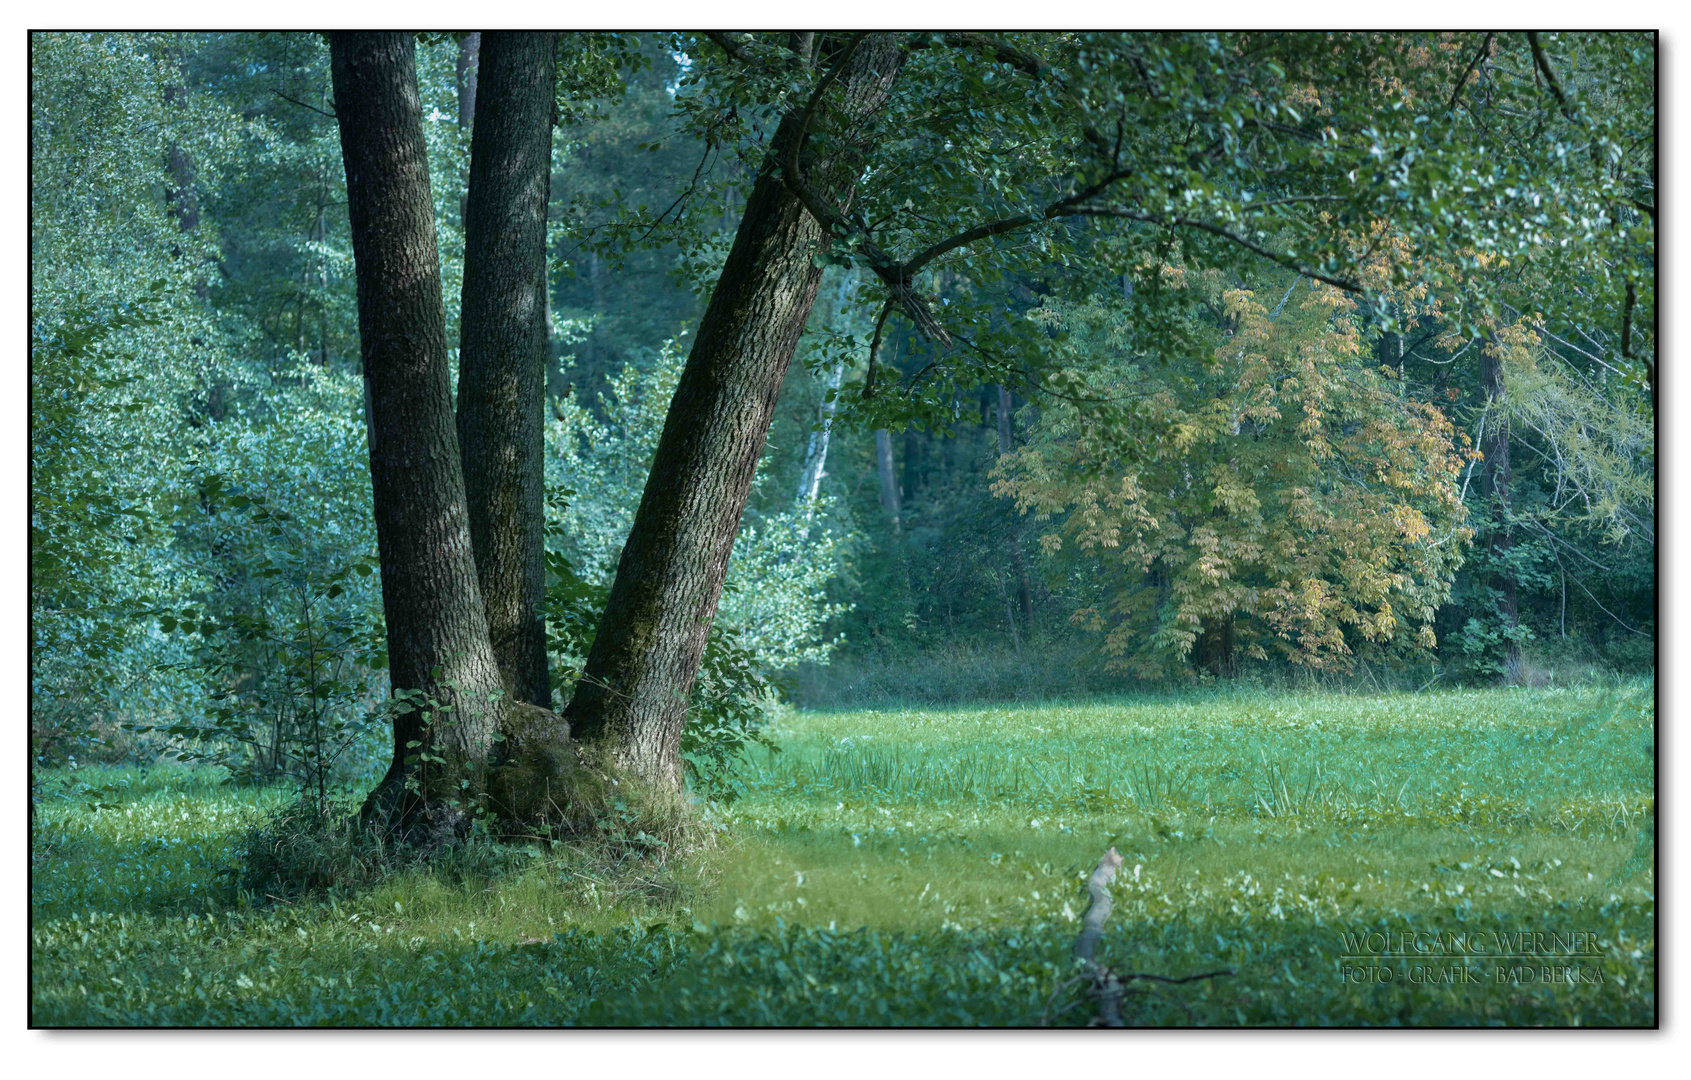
[{"x": 816, "y": 452}]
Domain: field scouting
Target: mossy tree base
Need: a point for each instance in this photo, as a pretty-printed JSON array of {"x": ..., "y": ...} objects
[{"x": 537, "y": 782}]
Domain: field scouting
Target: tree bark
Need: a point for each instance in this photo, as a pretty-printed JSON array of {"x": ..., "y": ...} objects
[
  {"x": 914, "y": 466},
  {"x": 639, "y": 677},
  {"x": 469, "y": 55},
  {"x": 502, "y": 359},
  {"x": 469, "y": 68},
  {"x": 182, "y": 196},
  {"x": 436, "y": 626},
  {"x": 1494, "y": 445}
]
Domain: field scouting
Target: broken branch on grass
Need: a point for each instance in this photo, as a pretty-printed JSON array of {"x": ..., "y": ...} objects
[
  {"x": 1108, "y": 986},
  {"x": 1098, "y": 907}
]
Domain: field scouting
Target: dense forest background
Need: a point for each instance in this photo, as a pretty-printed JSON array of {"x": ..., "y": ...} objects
[{"x": 203, "y": 548}]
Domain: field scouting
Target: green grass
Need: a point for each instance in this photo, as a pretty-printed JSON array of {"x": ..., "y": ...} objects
[{"x": 925, "y": 867}]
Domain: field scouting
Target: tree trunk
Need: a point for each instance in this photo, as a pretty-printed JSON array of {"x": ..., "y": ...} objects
[
  {"x": 1018, "y": 562},
  {"x": 889, "y": 477},
  {"x": 638, "y": 682},
  {"x": 469, "y": 68},
  {"x": 914, "y": 471},
  {"x": 438, "y": 646},
  {"x": 816, "y": 450},
  {"x": 469, "y": 55},
  {"x": 1215, "y": 647},
  {"x": 1495, "y": 448},
  {"x": 502, "y": 359},
  {"x": 182, "y": 196},
  {"x": 592, "y": 361}
]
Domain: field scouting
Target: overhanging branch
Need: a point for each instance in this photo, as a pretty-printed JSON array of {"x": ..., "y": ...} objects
[
  {"x": 875, "y": 349},
  {"x": 733, "y": 49},
  {"x": 1216, "y": 230}
]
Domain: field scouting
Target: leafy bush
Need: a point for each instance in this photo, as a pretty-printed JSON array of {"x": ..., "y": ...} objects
[{"x": 294, "y": 664}]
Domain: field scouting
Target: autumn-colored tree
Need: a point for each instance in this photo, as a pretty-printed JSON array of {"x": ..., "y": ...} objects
[{"x": 1281, "y": 497}]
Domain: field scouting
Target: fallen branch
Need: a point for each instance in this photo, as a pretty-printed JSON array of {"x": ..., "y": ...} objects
[
  {"x": 1109, "y": 986},
  {"x": 1098, "y": 909}
]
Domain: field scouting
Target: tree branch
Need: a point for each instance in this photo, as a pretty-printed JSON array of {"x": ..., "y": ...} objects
[
  {"x": 1543, "y": 63},
  {"x": 1131, "y": 975},
  {"x": 314, "y": 108},
  {"x": 1626, "y": 320},
  {"x": 875, "y": 349},
  {"x": 692, "y": 187},
  {"x": 1289, "y": 199},
  {"x": 816, "y": 95},
  {"x": 969, "y": 236},
  {"x": 1024, "y": 62},
  {"x": 1098, "y": 905},
  {"x": 1485, "y": 47},
  {"x": 1193, "y": 223},
  {"x": 803, "y": 45},
  {"x": 733, "y": 49},
  {"x": 1108, "y": 986},
  {"x": 1003, "y": 225},
  {"x": 833, "y": 220}
]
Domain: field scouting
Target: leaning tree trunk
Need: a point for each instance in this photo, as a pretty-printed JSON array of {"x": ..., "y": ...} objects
[
  {"x": 1494, "y": 446},
  {"x": 438, "y": 649},
  {"x": 638, "y": 682},
  {"x": 502, "y": 360}
]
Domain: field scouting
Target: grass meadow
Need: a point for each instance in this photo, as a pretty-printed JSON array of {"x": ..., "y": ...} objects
[{"x": 926, "y": 866}]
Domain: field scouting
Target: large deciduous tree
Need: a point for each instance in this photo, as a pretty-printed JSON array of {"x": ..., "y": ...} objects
[
  {"x": 502, "y": 359},
  {"x": 639, "y": 675},
  {"x": 445, "y": 676}
]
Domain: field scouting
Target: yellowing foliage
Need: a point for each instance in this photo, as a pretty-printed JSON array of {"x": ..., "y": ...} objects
[{"x": 1283, "y": 489}]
